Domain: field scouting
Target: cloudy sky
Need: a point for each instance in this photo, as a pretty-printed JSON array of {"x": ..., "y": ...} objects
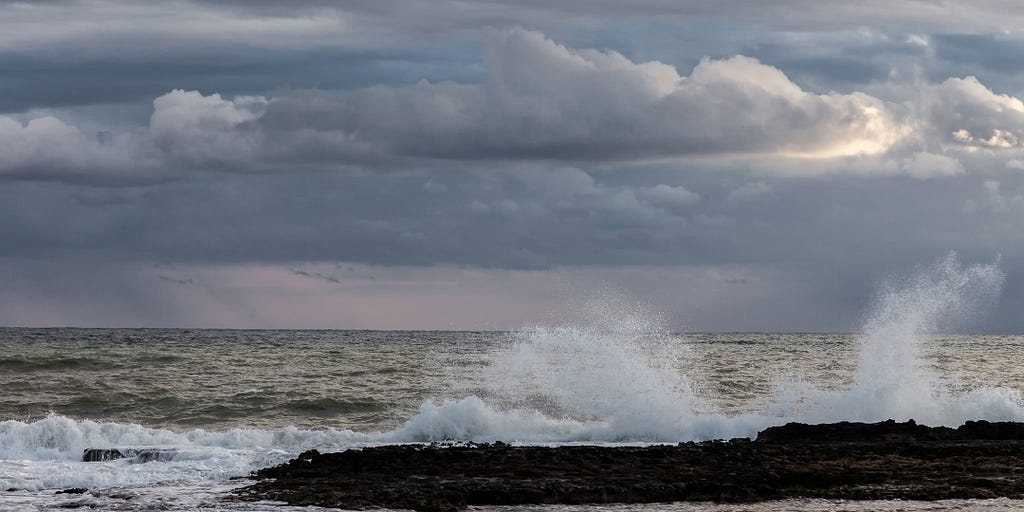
[{"x": 494, "y": 164}]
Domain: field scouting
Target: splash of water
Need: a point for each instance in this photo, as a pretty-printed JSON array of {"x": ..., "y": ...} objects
[
  {"x": 616, "y": 375},
  {"x": 612, "y": 375},
  {"x": 891, "y": 380}
]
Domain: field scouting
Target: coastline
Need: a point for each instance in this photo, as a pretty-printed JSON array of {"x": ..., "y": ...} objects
[{"x": 856, "y": 461}]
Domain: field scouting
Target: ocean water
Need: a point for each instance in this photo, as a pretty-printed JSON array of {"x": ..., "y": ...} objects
[{"x": 227, "y": 402}]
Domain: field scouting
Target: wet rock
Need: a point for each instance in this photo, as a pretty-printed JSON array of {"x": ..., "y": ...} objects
[
  {"x": 101, "y": 454},
  {"x": 886, "y": 460},
  {"x": 1005, "y": 430},
  {"x": 152, "y": 455},
  {"x": 847, "y": 432},
  {"x": 873, "y": 432},
  {"x": 73, "y": 490},
  {"x": 135, "y": 455}
]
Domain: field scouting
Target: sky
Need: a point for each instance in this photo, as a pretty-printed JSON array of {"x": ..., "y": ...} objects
[{"x": 497, "y": 164}]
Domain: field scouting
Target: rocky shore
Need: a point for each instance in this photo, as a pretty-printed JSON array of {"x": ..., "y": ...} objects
[{"x": 885, "y": 460}]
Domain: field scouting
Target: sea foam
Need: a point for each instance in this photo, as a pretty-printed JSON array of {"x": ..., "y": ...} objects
[
  {"x": 891, "y": 380},
  {"x": 47, "y": 453},
  {"x": 613, "y": 376}
]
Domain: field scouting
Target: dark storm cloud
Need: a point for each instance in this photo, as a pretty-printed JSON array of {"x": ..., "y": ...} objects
[
  {"x": 791, "y": 14},
  {"x": 531, "y": 218},
  {"x": 43, "y": 81},
  {"x": 541, "y": 101},
  {"x": 984, "y": 51},
  {"x": 843, "y": 60},
  {"x": 144, "y": 50},
  {"x": 844, "y": 234},
  {"x": 797, "y": 152}
]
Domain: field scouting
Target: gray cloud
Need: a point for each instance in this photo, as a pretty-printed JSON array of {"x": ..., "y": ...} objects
[
  {"x": 542, "y": 101},
  {"x": 832, "y": 240},
  {"x": 255, "y": 144},
  {"x": 308, "y": 22},
  {"x": 124, "y": 50},
  {"x": 535, "y": 217}
]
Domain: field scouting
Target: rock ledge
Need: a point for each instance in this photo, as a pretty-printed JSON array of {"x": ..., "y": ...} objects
[{"x": 886, "y": 460}]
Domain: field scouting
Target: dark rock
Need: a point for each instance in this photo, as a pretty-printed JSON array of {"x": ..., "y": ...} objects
[
  {"x": 848, "y": 432},
  {"x": 886, "y": 460},
  {"x": 136, "y": 455},
  {"x": 152, "y": 455},
  {"x": 992, "y": 430},
  {"x": 101, "y": 454},
  {"x": 73, "y": 490}
]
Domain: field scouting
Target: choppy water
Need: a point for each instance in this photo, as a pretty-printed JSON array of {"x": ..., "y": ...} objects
[{"x": 229, "y": 402}]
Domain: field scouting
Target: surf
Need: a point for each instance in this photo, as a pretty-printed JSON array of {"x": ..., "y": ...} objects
[
  {"x": 613, "y": 375},
  {"x": 616, "y": 376}
]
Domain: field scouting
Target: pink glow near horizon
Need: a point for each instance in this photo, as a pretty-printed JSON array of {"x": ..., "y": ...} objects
[{"x": 354, "y": 296}]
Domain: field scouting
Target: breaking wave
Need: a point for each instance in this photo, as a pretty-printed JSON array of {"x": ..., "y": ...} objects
[{"x": 613, "y": 376}]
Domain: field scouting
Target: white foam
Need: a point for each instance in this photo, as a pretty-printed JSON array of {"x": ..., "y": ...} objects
[
  {"x": 46, "y": 454},
  {"x": 611, "y": 377},
  {"x": 891, "y": 380}
]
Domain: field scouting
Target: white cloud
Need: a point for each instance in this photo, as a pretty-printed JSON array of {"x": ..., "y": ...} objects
[
  {"x": 186, "y": 130},
  {"x": 965, "y": 114},
  {"x": 543, "y": 101},
  {"x": 547, "y": 101},
  {"x": 48, "y": 148},
  {"x": 199, "y": 130},
  {"x": 918, "y": 40}
]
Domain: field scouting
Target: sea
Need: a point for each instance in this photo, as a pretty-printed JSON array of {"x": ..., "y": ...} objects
[{"x": 223, "y": 403}]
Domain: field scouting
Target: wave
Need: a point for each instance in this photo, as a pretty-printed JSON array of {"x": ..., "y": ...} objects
[
  {"x": 613, "y": 376},
  {"x": 50, "y": 363},
  {"x": 61, "y": 438},
  {"x": 47, "y": 453}
]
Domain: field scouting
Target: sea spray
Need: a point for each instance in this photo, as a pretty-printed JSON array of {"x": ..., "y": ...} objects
[
  {"x": 616, "y": 375},
  {"x": 891, "y": 381},
  {"x": 613, "y": 375}
]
